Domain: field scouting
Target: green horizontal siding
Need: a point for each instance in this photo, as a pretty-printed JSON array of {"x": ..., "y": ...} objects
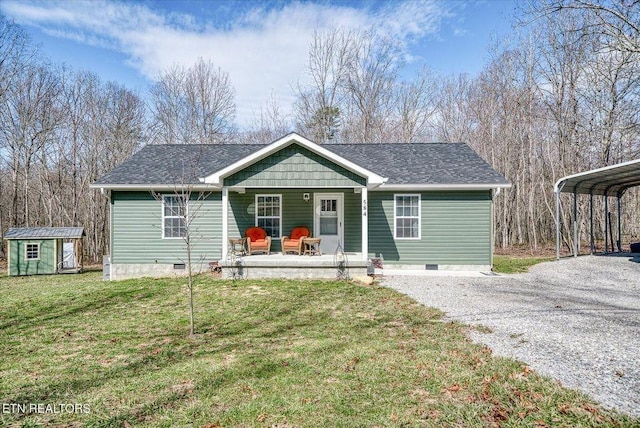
[
  {"x": 455, "y": 229},
  {"x": 137, "y": 230},
  {"x": 455, "y": 226},
  {"x": 19, "y": 266},
  {"x": 295, "y": 212},
  {"x": 294, "y": 166},
  {"x": 352, "y": 221}
]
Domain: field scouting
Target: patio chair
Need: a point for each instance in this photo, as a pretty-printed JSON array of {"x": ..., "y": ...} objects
[
  {"x": 257, "y": 240},
  {"x": 293, "y": 243}
]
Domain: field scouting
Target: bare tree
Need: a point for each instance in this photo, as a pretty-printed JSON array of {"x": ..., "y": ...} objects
[
  {"x": 452, "y": 123},
  {"x": 319, "y": 101},
  {"x": 371, "y": 74},
  {"x": 16, "y": 52},
  {"x": 113, "y": 132},
  {"x": 270, "y": 123},
  {"x": 616, "y": 23},
  {"x": 182, "y": 208},
  {"x": 349, "y": 95},
  {"x": 28, "y": 119},
  {"x": 193, "y": 106},
  {"x": 59, "y": 131},
  {"x": 415, "y": 105}
]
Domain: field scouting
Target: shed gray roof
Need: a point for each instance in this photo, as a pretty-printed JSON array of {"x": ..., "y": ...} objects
[
  {"x": 44, "y": 233},
  {"x": 425, "y": 163}
]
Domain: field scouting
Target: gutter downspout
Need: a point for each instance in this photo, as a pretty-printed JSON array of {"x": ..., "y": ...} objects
[
  {"x": 496, "y": 192},
  {"x": 107, "y": 195}
]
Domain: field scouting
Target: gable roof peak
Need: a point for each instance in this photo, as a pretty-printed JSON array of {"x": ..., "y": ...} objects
[{"x": 217, "y": 177}]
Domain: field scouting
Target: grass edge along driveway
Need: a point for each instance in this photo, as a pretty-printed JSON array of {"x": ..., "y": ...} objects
[{"x": 266, "y": 353}]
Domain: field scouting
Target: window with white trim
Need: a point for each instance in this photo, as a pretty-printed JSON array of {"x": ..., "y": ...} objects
[
  {"x": 32, "y": 251},
  {"x": 268, "y": 217},
  {"x": 174, "y": 213},
  {"x": 406, "y": 210}
]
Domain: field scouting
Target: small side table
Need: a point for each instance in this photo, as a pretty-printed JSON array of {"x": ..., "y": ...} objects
[
  {"x": 238, "y": 246},
  {"x": 311, "y": 246}
]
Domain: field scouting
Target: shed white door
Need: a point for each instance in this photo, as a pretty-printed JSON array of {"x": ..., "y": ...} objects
[
  {"x": 328, "y": 220},
  {"x": 68, "y": 256}
]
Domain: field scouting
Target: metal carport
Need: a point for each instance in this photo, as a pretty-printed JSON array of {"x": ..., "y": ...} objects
[{"x": 609, "y": 181}]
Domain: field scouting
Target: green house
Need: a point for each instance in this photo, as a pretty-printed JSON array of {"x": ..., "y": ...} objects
[
  {"x": 44, "y": 250},
  {"x": 416, "y": 206}
]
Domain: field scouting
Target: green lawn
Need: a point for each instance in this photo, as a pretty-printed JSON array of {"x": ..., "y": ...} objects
[
  {"x": 510, "y": 264},
  {"x": 267, "y": 353}
]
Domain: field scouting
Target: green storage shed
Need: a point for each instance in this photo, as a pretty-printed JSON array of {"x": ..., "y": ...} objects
[{"x": 44, "y": 250}]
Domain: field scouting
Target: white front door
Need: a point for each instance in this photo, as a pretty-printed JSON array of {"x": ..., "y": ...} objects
[{"x": 328, "y": 219}]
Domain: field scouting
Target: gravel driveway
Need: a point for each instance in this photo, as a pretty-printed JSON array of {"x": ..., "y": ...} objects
[{"x": 575, "y": 320}]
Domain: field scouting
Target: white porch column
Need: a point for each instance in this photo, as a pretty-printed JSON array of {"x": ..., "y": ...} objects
[
  {"x": 365, "y": 224},
  {"x": 225, "y": 221}
]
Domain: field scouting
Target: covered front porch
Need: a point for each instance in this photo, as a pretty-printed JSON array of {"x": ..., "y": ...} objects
[
  {"x": 338, "y": 217},
  {"x": 296, "y": 183}
]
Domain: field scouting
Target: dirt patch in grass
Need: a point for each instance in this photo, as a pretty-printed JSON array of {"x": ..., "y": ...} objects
[
  {"x": 509, "y": 264},
  {"x": 266, "y": 353}
]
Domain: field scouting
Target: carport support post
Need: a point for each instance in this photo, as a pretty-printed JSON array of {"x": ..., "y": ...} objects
[
  {"x": 619, "y": 224},
  {"x": 606, "y": 224},
  {"x": 575, "y": 224},
  {"x": 591, "y": 244},
  {"x": 558, "y": 225}
]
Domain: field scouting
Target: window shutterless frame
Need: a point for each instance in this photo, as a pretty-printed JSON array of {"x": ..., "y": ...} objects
[
  {"x": 31, "y": 251},
  {"x": 269, "y": 214},
  {"x": 178, "y": 211},
  {"x": 407, "y": 216}
]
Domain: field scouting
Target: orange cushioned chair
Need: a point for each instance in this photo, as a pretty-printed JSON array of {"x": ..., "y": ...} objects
[
  {"x": 293, "y": 243},
  {"x": 257, "y": 240}
]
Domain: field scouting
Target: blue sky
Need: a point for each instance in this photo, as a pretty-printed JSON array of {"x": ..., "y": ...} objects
[{"x": 262, "y": 45}]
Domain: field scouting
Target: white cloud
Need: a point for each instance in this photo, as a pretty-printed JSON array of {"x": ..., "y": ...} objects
[{"x": 263, "y": 50}]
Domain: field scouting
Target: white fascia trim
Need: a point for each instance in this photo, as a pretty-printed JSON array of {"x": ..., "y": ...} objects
[
  {"x": 157, "y": 187},
  {"x": 558, "y": 189},
  {"x": 402, "y": 187},
  {"x": 217, "y": 177}
]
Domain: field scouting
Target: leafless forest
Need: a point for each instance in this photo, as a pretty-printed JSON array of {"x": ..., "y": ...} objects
[{"x": 562, "y": 95}]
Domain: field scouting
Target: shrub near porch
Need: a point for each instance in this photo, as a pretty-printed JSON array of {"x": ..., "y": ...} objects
[{"x": 293, "y": 353}]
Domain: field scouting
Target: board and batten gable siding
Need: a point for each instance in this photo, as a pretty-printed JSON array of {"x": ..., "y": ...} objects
[
  {"x": 137, "y": 230},
  {"x": 19, "y": 266},
  {"x": 295, "y": 212},
  {"x": 455, "y": 229},
  {"x": 296, "y": 166}
]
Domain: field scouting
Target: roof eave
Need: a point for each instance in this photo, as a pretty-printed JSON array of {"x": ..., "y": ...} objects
[
  {"x": 156, "y": 187},
  {"x": 441, "y": 187}
]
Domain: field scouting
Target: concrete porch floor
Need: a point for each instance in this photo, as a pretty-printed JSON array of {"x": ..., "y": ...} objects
[
  {"x": 278, "y": 259},
  {"x": 277, "y": 265}
]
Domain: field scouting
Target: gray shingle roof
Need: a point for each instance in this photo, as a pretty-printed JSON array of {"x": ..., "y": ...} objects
[
  {"x": 428, "y": 163},
  {"x": 175, "y": 163},
  {"x": 44, "y": 232},
  {"x": 425, "y": 163}
]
